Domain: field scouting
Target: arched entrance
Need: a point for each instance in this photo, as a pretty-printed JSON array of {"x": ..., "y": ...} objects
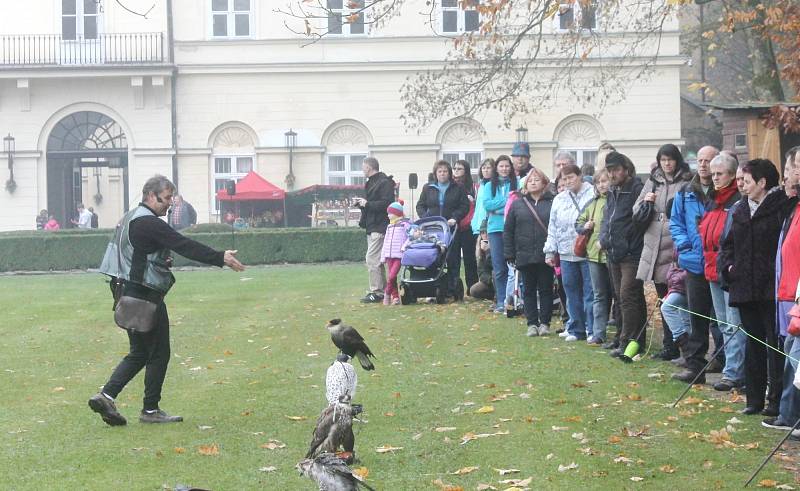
[{"x": 87, "y": 162}]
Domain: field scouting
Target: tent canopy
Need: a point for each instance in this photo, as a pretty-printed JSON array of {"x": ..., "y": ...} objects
[{"x": 253, "y": 187}]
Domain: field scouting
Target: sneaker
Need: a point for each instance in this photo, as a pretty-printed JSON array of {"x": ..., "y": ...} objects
[
  {"x": 386, "y": 300},
  {"x": 396, "y": 301},
  {"x": 158, "y": 416},
  {"x": 571, "y": 338},
  {"x": 372, "y": 298},
  {"x": 107, "y": 410},
  {"x": 563, "y": 334},
  {"x": 544, "y": 330},
  {"x": 726, "y": 385},
  {"x": 595, "y": 341},
  {"x": 617, "y": 352},
  {"x": 533, "y": 331},
  {"x": 688, "y": 376},
  {"x": 775, "y": 424}
]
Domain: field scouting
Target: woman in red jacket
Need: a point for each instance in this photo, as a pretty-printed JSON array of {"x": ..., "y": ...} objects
[{"x": 723, "y": 174}]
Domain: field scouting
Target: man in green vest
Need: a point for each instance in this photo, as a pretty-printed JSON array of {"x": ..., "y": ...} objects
[{"x": 139, "y": 258}]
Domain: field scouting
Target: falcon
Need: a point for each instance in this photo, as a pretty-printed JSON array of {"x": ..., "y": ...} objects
[
  {"x": 350, "y": 342},
  {"x": 340, "y": 379},
  {"x": 334, "y": 429},
  {"x": 331, "y": 473}
]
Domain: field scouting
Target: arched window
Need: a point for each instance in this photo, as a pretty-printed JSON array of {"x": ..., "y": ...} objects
[
  {"x": 462, "y": 139},
  {"x": 580, "y": 135},
  {"x": 346, "y": 146},
  {"x": 233, "y": 155}
]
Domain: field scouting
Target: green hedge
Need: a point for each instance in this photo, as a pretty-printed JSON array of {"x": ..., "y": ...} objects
[{"x": 65, "y": 250}]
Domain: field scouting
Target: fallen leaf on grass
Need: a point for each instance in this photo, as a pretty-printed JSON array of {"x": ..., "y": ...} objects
[
  {"x": 614, "y": 439},
  {"x": 707, "y": 464},
  {"x": 361, "y": 472},
  {"x": 447, "y": 487},
  {"x": 623, "y": 460},
  {"x": 767, "y": 483},
  {"x": 516, "y": 483},
  {"x": 273, "y": 445},
  {"x": 208, "y": 449},
  {"x": 180, "y": 450},
  {"x": 783, "y": 486},
  {"x": 270, "y": 468},
  {"x": 442, "y": 429},
  {"x": 634, "y": 397},
  {"x": 59, "y": 389},
  {"x": 559, "y": 428},
  {"x": 637, "y": 479},
  {"x": 296, "y": 418},
  {"x": 570, "y": 466},
  {"x": 464, "y": 470},
  {"x": 750, "y": 446},
  {"x": 573, "y": 419},
  {"x": 692, "y": 400},
  {"x": 485, "y": 487},
  {"x": 204, "y": 427},
  {"x": 667, "y": 469},
  {"x": 736, "y": 397},
  {"x": 468, "y": 437},
  {"x": 387, "y": 449},
  {"x": 635, "y": 433},
  {"x": 485, "y": 410},
  {"x": 503, "y": 472}
]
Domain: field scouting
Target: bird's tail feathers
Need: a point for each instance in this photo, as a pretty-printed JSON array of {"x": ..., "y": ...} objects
[{"x": 366, "y": 364}]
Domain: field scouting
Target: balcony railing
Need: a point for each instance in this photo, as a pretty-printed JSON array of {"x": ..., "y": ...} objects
[{"x": 31, "y": 50}]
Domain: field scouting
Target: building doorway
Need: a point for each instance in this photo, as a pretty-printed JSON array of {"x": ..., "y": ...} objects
[{"x": 87, "y": 162}]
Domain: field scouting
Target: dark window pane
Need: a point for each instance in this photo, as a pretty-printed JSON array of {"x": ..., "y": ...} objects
[
  {"x": 222, "y": 165},
  {"x": 334, "y": 4},
  {"x": 449, "y": 21},
  {"x": 450, "y": 157},
  {"x": 90, "y": 27},
  {"x": 356, "y": 162},
  {"x": 588, "y": 17},
  {"x": 357, "y": 27},
  {"x": 335, "y": 23},
  {"x": 89, "y": 7},
  {"x": 68, "y": 28},
  {"x": 337, "y": 180},
  {"x": 450, "y": 3},
  {"x": 358, "y": 181},
  {"x": 68, "y": 7},
  {"x": 566, "y": 18},
  {"x": 220, "y": 25},
  {"x": 241, "y": 5},
  {"x": 242, "y": 24},
  {"x": 471, "y": 20},
  {"x": 336, "y": 163},
  {"x": 219, "y": 5}
]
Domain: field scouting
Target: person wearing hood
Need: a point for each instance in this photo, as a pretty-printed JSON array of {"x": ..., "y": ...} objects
[
  {"x": 726, "y": 194},
  {"x": 688, "y": 209},
  {"x": 444, "y": 198},
  {"x": 561, "y": 234},
  {"x": 650, "y": 213},
  {"x": 747, "y": 262},
  {"x": 589, "y": 223},
  {"x": 524, "y": 236}
]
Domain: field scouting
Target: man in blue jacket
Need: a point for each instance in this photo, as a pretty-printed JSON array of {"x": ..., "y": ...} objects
[{"x": 688, "y": 209}]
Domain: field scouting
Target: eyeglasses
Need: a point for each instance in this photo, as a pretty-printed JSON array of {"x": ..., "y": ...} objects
[{"x": 458, "y": 168}]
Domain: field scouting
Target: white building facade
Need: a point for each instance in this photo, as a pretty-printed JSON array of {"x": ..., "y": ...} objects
[{"x": 86, "y": 91}]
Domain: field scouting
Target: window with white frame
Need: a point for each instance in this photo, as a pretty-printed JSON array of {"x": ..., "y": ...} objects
[
  {"x": 456, "y": 19},
  {"x": 79, "y": 19},
  {"x": 226, "y": 168},
  {"x": 231, "y": 18},
  {"x": 474, "y": 157},
  {"x": 346, "y": 17},
  {"x": 576, "y": 14},
  {"x": 341, "y": 169},
  {"x": 582, "y": 156}
]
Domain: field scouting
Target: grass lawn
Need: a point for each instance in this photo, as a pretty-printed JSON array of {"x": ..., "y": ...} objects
[{"x": 249, "y": 358}]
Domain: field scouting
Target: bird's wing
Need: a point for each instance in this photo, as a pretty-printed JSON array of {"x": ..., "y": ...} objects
[
  {"x": 352, "y": 338},
  {"x": 321, "y": 431}
]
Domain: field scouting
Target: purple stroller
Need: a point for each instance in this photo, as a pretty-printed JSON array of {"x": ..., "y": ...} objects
[{"x": 424, "y": 264}]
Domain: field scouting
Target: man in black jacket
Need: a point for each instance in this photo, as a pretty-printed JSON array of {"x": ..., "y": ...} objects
[
  {"x": 139, "y": 258},
  {"x": 379, "y": 192},
  {"x": 622, "y": 241}
]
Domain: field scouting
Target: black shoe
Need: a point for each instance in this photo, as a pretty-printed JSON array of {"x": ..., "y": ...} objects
[
  {"x": 688, "y": 376},
  {"x": 715, "y": 367},
  {"x": 775, "y": 424},
  {"x": 679, "y": 362},
  {"x": 617, "y": 352},
  {"x": 726, "y": 385},
  {"x": 611, "y": 345},
  {"x": 666, "y": 355},
  {"x": 750, "y": 410},
  {"x": 770, "y": 411},
  {"x": 372, "y": 298},
  {"x": 107, "y": 410},
  {"x": 158, "y": 416}
]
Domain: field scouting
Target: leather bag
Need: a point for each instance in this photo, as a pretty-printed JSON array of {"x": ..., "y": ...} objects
[{"x": 131, "y": 313}]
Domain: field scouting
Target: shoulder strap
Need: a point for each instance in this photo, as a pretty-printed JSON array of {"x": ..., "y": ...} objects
[
  {"x": 574, "y": 202},
  {"x": 535, "y": 215}
]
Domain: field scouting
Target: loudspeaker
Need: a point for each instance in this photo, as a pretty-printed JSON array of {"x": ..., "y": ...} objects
[
  {"x": 230, "y": 187},
  {"x": 413, "y": 181}
]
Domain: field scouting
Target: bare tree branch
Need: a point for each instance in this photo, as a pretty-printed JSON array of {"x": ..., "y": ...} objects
[{"x": 119, "y": 2}]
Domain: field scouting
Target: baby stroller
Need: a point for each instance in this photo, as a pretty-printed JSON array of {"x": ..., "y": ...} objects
[{"x": 424, "y": 272}]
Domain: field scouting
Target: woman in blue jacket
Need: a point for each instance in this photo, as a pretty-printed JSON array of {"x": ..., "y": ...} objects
[{"x": 494, "y": 195}]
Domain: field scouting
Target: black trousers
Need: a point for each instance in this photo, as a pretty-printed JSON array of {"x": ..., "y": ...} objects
[
  {"x": 149, "y": 351},
  {"x": 465, "y": 244},
  {"x": 762, "y": 366},
  {"x": 698, "y": 296},
  {"x": 538, "y": 278}
]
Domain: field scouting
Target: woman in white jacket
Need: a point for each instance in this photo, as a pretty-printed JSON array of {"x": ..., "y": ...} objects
[{"x": 561, "y": 235}]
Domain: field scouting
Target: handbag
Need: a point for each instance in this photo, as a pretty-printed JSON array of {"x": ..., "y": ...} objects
[
  {"x": 794, "y": 322},
  {"x": 131, "y": 313},
  {"x": 581, "y": 243}
]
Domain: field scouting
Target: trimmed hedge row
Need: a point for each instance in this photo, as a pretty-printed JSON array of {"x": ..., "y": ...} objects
[{"x": 44, "y": 251}]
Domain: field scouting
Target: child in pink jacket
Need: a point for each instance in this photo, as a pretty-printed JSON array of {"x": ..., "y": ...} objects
[{"x": 396, "y": 235}]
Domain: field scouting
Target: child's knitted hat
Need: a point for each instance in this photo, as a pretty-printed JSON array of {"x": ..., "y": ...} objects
[{"x": 396, "y": 208}]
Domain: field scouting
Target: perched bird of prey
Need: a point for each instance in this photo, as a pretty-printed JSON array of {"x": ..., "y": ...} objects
[
  {"x": 334, "y": 429},
  {"x": 340, "y": 379},
  {"x": 350, "y": 342},
  {"x": 331, "y": 473}
]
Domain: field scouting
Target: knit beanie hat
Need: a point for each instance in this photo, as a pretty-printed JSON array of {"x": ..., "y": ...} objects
[{"x": 396, "y": 208}]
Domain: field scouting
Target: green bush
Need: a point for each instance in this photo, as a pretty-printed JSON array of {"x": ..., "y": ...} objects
[{"x": 42, "y": 251}]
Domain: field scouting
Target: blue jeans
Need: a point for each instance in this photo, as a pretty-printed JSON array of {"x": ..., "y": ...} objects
[
  {"x": 602, "y": 289},
  {"x": 499, "y": 268},
  {"x": 580, "y": 299},
  {"x": 790, "y": 399},
  {"x": 678, "y": 321},
  {"x": 734, "y": 350}
]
